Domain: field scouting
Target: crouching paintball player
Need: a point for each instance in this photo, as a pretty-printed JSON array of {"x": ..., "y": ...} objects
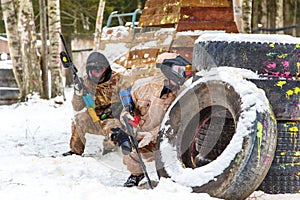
[
  {"x": 145, "y": 104},
  {"x": 96, "y": 105}
]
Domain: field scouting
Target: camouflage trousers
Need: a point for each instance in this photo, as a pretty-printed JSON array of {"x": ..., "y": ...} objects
[
  {"x": 132, "y": 161},
  {"x": 83, "y": 124}
]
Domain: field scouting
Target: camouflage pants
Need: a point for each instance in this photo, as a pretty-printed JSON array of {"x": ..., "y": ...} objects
[
  {"x": 132, "y": 160},
  {"x": 83, "y": 124}
]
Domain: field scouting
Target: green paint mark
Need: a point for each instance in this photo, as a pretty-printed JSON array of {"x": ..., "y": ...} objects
[
  {"x": 259, "y": 136},
  {"x": 271, "y": 54},
  {"x": 280, "y": 83}
]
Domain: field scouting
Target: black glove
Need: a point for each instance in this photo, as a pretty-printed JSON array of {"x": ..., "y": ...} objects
[
  {"x": 120, "y": 137},
  {"x": 78, "y": 89}
]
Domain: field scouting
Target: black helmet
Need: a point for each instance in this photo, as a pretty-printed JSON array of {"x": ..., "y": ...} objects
[
  {"x": 174, "y": 69},
  {"x": 98, "y": 68}
]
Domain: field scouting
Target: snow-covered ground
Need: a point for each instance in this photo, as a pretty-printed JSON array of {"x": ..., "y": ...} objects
[
  {"x": 33, "y": 132},
  {"x": 32, "y": 137}
]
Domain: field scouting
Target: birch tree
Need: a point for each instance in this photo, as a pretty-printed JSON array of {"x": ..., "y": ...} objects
[
  {"x": 295, "y": 18},
  {"x": 57, "y": 86},
  {"x": 279, "y": 15},
  {"x": 264, "y": 14},
  {"x": 9, "y": 9},
  {"x": 238, "y": 14},
  {"x": 99, "y": 21},
  {"x": 31, "y": 68},
  {"x": 20, "y": 30},
  {"x": 247, "y": 16},
  {"x": 43, "y": 57}
]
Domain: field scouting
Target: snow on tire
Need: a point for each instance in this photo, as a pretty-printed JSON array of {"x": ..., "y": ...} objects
[{"x": 219, "y": 136}]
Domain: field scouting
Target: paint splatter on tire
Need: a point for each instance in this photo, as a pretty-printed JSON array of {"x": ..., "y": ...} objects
[{"x": 218, "y": 138}]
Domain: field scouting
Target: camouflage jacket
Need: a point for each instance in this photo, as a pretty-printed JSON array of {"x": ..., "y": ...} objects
[{"x": 146, "y": 95}]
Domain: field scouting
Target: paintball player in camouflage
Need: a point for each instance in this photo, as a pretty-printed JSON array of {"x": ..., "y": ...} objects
[
  {"x": 102, "y": 84},
  {"x": 151, "y": 97}
]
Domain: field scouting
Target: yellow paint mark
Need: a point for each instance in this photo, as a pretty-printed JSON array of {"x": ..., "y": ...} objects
[
  {"x": 283, "y": 153},
  {"x": 62, "y": 174},
  {"x": 185, "y": 16},
  {"x": 273, "y": 118},
  {"x": 297, "y": 153},
  {"x": 259, "y": 136},
  {"x": 280, "y": 83},
  {"x": 272, "y": 45},
  {"x": 297, "y": 46},
  {"x": 298, "y": 64},
  {"x": 296, "y": 90},
  {"x": 294, "y": 129},
  {"x": 289, "y": 93},
  {"x": 282, "y": 55}
]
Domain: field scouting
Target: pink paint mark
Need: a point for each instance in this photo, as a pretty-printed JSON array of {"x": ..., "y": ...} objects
[
  {"x": 285, "y": 64},
  {"x": 271, "y": 65},
  {"x": 265, "y": 124},
  {"x": 267, "y": 159}
]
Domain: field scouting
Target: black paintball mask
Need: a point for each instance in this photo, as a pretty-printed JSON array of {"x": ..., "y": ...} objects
[
  {"x": 174, "y": 69},
  {"x": 98, "y": 68}
]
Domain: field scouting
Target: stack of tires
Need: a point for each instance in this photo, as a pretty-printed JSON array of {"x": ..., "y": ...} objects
[{"x": 236, "y": 129}]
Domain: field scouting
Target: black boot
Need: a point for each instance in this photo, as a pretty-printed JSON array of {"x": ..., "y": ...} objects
[
  {"x": 69, "y": 153},
  {"x": 133, "y": 180}
]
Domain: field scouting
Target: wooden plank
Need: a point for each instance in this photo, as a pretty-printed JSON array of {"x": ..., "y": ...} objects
[
  {"x": 167, "y": 20},
  {"x": 229, "y": 27},
  {"x": 206, "y": 14},
  {"x": 186, "y": 52},
  {"x": 206, "y": 3}
]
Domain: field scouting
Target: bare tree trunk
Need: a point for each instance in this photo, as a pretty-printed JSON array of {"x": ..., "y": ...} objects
[
  {"x": 99, "y": 20},
  {"x": 9, "y": 14},
  {"x": 57, "y": 86},
  {"x": 238, "y": 14},
  {"x": 26, "y": 25},
  {"x": 256, "y": 14},
  {"x": 279, "y": 15},
  {"x": 247, "y": 15},
  {"x": 264, "y": 14},
  {"x": 43, "y": 57},
  {"x": 271, "y": 15},
  {"x": 295, "y": 18}
]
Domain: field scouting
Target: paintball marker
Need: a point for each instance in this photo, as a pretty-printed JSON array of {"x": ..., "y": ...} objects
[
  {"x": 127, "y": 103},
  {"x": 87, "y": 97},
  {"x": 135, "y": 144}
]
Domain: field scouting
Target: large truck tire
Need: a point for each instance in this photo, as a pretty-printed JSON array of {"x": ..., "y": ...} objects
[
  {"x": 283, "y": 176},
  {"x": 219, "y": 136}
]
